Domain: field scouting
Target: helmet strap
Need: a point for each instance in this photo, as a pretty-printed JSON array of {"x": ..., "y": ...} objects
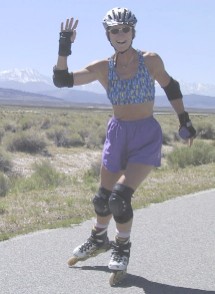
[{"x": 119, "y": 52}]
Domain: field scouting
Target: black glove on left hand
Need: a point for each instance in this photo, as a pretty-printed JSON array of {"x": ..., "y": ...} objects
[
  {"x": 186, "y": 129},
  {"x": 65, "y": 43}
]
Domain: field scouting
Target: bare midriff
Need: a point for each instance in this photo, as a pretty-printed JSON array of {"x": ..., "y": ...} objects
[{"x": 133, "y": 111}]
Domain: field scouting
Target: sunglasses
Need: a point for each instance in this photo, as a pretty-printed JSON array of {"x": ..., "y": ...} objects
[{"x": 124, "y": 30}]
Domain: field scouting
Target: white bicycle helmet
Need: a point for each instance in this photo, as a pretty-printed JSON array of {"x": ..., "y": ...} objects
[{"x": 118, "y": 16}]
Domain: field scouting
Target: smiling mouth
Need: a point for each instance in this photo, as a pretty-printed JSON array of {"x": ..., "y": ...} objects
[{"x": 121, "y": 42}]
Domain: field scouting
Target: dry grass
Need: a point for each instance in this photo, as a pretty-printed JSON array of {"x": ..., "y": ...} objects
[
  {"x": 23, "y": 211},
  {"x": 71, "y": 203}
]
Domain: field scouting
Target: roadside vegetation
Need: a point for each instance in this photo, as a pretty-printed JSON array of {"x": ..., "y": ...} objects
[{"x": 50, "y": 161}]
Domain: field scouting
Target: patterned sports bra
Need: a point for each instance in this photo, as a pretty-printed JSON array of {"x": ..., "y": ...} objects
[{"x": 138, "y": 89}]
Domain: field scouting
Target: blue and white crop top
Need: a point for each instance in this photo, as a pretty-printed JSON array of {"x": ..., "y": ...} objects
[{"x": 138, "y": 89}]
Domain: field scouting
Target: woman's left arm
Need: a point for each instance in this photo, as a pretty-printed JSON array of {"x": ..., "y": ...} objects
[{"x": 173, "y": 92}]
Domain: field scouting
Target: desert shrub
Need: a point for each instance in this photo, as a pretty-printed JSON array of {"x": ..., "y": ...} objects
[
  {"x": 29, "y": 142},
  {"x": 102, "y": 133},
  {"x": 200, "y": 153},
  {"x": 167, "y": 138},
  {"x": 206, "y": 131},
  {"x": 10, "y": 127},
  {"x": 95, "y": 138},
  {"x": 46, "y": 124},
  {"x": 91, "y": 176},
  {"x": 3, "y": 210},
  {"x": 64, "y": 137},
  {"x": 84, "y": 133},
  {"x": 4, "y": 185},
  {"x": 95, "y": 168},
  {"x": 26, "y": 124},
  {"x": 1, "y": 134},
  {"x": 44, "y": 176},
  {"x": 5, "y": 163},
  {"x": 28, "y": 120}
]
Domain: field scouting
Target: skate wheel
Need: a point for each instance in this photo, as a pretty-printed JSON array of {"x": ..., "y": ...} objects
[
  {"x": 116, "y": 277},
  {"x": 73, "y": 260}
]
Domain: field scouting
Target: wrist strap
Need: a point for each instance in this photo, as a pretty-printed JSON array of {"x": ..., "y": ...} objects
[{"x": 184, "y": 118}]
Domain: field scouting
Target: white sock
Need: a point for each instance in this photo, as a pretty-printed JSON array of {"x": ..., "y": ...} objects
[
  {"x": 123, "y": 235},
  {"x": 101, "y": 226}
]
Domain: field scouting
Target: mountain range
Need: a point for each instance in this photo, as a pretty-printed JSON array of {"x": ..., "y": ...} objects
[{"x": 29, "y": 87}]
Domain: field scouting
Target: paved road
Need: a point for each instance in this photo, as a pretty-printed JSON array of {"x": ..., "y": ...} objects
[{"x": 173, "y": 251}]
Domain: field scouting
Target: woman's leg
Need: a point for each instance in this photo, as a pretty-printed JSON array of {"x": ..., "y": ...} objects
[
  {"x": 120, "y": 204},
  {"x": 107, "y": 181},
  {"x": 132, "y": 177}
]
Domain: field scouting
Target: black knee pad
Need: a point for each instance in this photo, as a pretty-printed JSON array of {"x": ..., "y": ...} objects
[
  {"x": 101, "y": 202},
  {"x": 120, "y": 203}
]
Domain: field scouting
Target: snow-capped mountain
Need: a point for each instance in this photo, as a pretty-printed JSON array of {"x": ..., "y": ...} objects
[
  {"x": 31, "y": 80},
  {"x": 23, "y": 76},
  {"x": 198, "y": 88},
  {"x": 26, "y": 79},
  {"x": 192, "y": 88}
]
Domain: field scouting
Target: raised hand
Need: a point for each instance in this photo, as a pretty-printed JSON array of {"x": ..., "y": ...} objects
[
  {"x": 70, "y": 27},
  {"x": 67, "y": 36}
]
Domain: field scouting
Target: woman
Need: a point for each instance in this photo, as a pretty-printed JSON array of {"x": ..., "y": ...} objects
[{"x": 134, "y": 138}]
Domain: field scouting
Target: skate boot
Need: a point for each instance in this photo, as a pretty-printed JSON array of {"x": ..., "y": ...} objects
[
  {"x": 97, "y": 243},
  {"x": 119, "y": 261}
]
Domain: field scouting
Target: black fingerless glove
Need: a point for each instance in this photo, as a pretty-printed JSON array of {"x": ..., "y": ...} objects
[
  {"x": 65, "y": 44},
  {"x": 186, "y": 129}
]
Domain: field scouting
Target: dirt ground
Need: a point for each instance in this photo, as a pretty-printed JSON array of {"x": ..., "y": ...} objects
[{"x": 66, "y": 161}]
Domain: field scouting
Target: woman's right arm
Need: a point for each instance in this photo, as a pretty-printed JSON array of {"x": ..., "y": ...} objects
[{"x": 62, "y": 77}]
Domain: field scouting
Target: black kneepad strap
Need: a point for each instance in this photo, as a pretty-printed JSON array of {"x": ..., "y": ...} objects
[
  {"x": 101, "y": 202},
  {"x": 120, "y": 203},
  {"x": 172, "y": 90}
]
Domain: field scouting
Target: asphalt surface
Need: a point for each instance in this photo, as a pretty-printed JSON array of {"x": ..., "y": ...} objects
[{"x": 173, "y": 251}]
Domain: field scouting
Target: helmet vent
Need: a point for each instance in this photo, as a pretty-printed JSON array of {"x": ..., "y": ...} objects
[{"x": 118, "y": 16}]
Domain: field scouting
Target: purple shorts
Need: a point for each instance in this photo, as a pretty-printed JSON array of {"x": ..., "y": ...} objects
[{"x": 137, "y": 141}]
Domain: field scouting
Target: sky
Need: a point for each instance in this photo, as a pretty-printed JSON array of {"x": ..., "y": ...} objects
[{"x": 180, "y": 31}]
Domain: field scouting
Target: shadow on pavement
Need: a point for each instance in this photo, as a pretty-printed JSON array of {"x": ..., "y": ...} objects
[{"x": 149, "y": 287}]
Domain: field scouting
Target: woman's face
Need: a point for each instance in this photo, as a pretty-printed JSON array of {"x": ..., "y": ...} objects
[{"x": 121, "y": 37}]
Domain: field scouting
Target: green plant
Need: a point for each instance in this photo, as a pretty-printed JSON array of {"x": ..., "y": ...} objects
[
  {"x": 200, "y": 153},
  {"x": 95, "y": 139},
  {"x": 45, "y": 198},
  {"x": 64, "y": 137},
  {"x": 44, "y": 176},
  {"x": 2, "y": 208},
  {"x": 26, "y": 122},
  {"x": 206, "y": 131},
  {"x": 4, "y": 185},
  {"x": 5, "y": 163},
  {"x": 29, "y": 142},
  {"x": 167, "y": 138},
  {"x": 1, "y": 134},
  {"x": 10, "y": 127}
]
